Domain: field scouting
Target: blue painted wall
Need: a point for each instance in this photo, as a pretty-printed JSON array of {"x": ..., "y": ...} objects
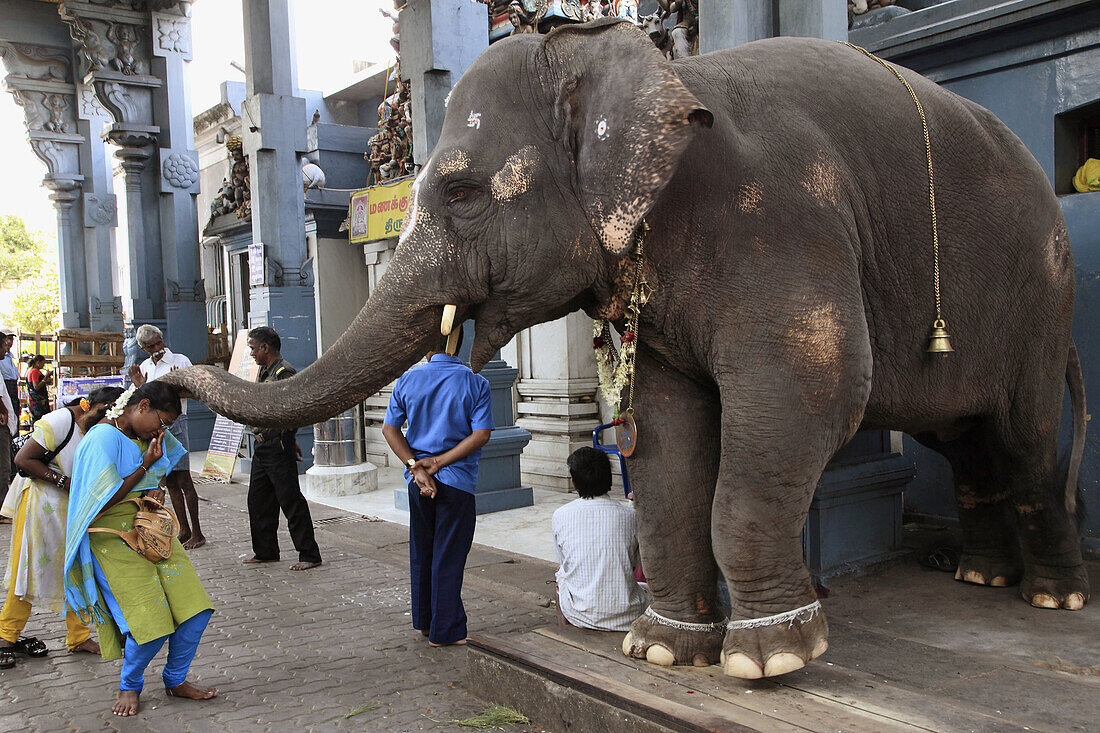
[{"x": 1027, "y": 74}]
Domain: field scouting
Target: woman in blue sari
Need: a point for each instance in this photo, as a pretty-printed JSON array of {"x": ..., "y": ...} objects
[{"x": 136, "y": 604}]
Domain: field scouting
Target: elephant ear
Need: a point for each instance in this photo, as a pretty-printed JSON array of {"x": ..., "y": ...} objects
[{"x": 625, "y": 117}]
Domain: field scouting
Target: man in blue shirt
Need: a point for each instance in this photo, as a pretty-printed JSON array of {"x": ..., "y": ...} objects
[{"x": 450, "y": 417}]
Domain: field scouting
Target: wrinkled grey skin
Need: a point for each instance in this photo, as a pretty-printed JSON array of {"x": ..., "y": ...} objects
[{"x": 791, "y": 257}]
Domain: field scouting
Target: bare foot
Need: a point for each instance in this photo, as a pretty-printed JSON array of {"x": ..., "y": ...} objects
[
  {"x": 256, "y": 561},
  {"x": 184, "y": 537},
  {"x": 304, "y": 565},
  {"x": 126, "y": 703},
  {"x": 194, "y": 542},
  {"x": 191, "y": 692},
  {"x": 91, "y": 646},
  {"x": 460, "y": 642}
]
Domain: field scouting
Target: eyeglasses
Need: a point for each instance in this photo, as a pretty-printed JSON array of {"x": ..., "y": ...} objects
[{"x": 163, "y": 425}]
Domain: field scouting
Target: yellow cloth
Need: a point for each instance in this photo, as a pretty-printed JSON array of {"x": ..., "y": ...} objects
[
  {"x": 16, "y": 611},
  {"x": 1088, "y": 176}
]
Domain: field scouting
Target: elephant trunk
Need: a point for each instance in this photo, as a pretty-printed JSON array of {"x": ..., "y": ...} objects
[{"x": 390, "y": 334}]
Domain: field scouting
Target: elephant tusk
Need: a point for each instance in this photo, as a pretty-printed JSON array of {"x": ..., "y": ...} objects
[
  {"x": 452, "y": 341},
  {"x": 447, "y": 323}
]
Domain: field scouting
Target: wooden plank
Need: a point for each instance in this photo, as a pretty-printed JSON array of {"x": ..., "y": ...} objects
[
  {"x": 618, "y": 694},
  {"x": 90, "y": 360},
  {"x": 816, "y": 689},
  {"x": 72, "y": 335}
]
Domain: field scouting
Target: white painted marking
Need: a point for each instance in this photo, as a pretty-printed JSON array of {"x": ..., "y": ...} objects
[{"x": 474, "y": 120}]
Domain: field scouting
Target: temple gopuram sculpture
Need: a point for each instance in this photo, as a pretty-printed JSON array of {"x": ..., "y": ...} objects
[
  {"x": 390, "y": 153},
  {"x": 234, "y": 194}
]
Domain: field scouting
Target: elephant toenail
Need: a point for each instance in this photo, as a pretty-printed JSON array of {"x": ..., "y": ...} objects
[
  {"x": 1074, "y": 602},
  {"x": 1044, "y": 600},
  {"x": 628, "y": 644},
  {"x": 973, "y": 576},
  {"x": 958, "y": 574},
  {"x": 782, "y": 663},
  {"x": 700, "y": 660},
  {"x": 740, "y": 666},
  {"x": 819, "y": 649},
  {"x": 999, "y": 581},
  {"x": 660, "y": 655}
]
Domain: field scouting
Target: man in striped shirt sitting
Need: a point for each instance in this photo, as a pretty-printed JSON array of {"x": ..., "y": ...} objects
[{"x": 597, "y": 546}]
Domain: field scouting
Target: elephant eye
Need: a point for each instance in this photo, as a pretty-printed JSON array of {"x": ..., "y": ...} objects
[
  {"x": 457, "y": 195},
  {"x": 459, "y": 191}
]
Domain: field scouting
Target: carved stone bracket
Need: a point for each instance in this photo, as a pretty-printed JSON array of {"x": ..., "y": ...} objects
[
  {"x": 179, "y": 171},
  {"x": 112, "y": 306},
  {"x": 89, "y": 107},
  {"x": 40, "y": 79},
  {"x": 302, "y": 275},
  {"x": 100, "y": 210},
  {"x": 171, "y": 35},
  {"x": 176, "y": 293}
]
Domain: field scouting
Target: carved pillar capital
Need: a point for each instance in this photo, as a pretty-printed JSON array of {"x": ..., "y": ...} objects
[{"x": 40, "y": 78}]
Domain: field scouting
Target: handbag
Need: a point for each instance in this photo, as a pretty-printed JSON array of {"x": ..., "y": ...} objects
[
  {"x": 155, "y": 526},
  {"x": 48, "y": 456}
]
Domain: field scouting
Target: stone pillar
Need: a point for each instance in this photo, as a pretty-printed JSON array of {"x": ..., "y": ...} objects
[
  {"x": 439, "y": 40},
  {"x": 274, "y": 122},
  {"x": 114, "y": 43},
  {"x": 100, "y": 216},
  {"x": 41, "y": 80},
  {"x": 726, "y": 23},
  {"x": 185, "y": 296},
  {"x": 815, "y": 18},
  {"x": 557, "y": 397}
]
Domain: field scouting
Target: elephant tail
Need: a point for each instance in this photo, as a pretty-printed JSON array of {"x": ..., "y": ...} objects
[{"x": 1076, "y": 383}]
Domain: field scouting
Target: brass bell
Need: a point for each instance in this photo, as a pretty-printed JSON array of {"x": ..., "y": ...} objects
[{"x": 940, "y": 342}]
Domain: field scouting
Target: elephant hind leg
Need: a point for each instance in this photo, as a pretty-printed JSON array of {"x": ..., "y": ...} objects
[{"x": 990, "y": 553}]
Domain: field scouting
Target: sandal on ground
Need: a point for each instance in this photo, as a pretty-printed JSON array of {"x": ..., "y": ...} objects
[
  {"x": 944, "y": 558},
  {"x": 7, "y": 657},
  {"x": 30, "y": 646}
]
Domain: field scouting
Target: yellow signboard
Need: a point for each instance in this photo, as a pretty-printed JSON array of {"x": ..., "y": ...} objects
[{"x": 379, "y": 212}]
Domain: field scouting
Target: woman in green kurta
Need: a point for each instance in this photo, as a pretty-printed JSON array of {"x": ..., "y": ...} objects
[{"x": 136, "y": 604}]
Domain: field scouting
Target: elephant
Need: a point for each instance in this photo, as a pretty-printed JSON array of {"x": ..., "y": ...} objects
[{"x": 790, "y": 255}]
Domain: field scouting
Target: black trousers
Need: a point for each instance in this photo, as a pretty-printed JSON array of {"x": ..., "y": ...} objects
[
  {"x": 273, "y": 485},
  {"x": 12, "y": 386}
]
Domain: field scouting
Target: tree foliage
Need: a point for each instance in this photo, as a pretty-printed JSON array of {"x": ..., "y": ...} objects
[
  {"x": 36, "y": 308},
  {"x": 20, "y": 251}
]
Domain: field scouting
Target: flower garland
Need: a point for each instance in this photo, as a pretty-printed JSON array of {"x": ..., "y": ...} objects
[
  {"x": 616, "y": 369},
  {"x": 120, "y": 404}
]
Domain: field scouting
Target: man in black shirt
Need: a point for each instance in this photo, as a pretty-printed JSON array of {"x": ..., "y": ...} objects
[{"x": 273, "y": 481}]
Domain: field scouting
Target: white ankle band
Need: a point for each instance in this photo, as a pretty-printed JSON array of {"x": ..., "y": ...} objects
[
  {"x": 802, "y": 615},
  {"x": 683, "y": 625}
]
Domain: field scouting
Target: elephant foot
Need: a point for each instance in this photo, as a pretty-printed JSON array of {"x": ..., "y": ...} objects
[
  {"x": 1044, "y": 588},
  {"x": 775, "y": 645},
  {"x": 666, "y": 642},
  {"x": 988, "y": 570}
]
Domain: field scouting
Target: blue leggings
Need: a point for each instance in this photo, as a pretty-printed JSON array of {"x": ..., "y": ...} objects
[{"x": 182, "y": 645}]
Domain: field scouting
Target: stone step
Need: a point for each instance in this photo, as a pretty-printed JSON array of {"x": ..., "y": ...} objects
[{"x": 566, "y": 678}]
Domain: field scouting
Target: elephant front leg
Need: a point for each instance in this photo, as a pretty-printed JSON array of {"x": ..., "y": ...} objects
[
  {"x": 673, "y": 473},
  {"x": 772, "y": 458}
]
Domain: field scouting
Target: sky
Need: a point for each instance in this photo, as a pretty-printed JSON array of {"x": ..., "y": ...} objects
[{"x": 329, "y": 35}]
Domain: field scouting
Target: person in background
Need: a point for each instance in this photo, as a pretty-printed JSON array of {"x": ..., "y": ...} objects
[
  {"x": 38, "y": 381},
  {"x": 597, "y": 547},
  {"x": 8, "y": 368},
  {"x": 9, "y": 427},
  {"x": 449, "y": 411},
  {"x": 185, "y": 499},
  {"x": 38, "y": 502},
  {"x": 273, "y": 481},
  {"x": 137, "y": 604}
]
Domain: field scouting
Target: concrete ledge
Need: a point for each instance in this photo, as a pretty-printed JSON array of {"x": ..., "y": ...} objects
[{"x": 341, "y": 480}]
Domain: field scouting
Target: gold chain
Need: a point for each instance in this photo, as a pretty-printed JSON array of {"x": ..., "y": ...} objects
[{"x": 931, "y": 180}]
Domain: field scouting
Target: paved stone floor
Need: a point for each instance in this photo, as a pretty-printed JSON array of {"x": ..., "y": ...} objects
[{"x": 292, "y": 651}]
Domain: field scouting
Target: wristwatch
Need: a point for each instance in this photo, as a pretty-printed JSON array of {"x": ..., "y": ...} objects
[{"x": 411, "y": 462}]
